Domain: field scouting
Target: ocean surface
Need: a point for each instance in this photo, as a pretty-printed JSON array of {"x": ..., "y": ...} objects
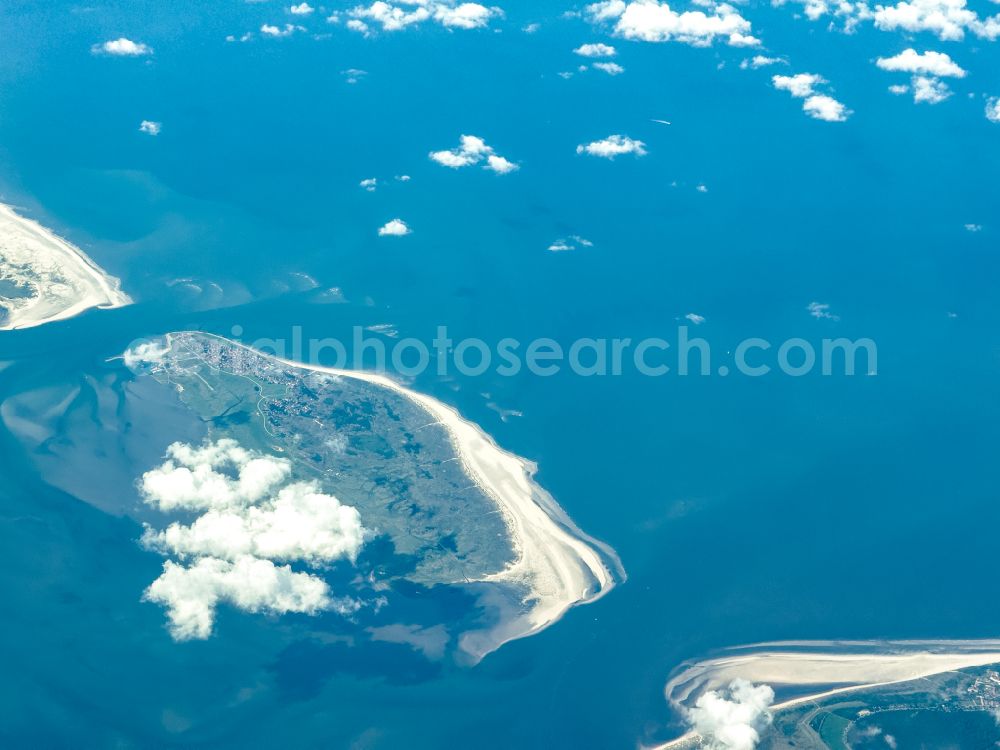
[{"x": 744, "y": 509}]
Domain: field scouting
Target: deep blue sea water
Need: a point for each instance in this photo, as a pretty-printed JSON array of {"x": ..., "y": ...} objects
[{"x": 744, "y": 509}]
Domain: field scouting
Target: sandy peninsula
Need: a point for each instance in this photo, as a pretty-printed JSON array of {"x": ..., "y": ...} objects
[
  {"x": 850, "y": 666},
  {"x": 45, "y": 278}
]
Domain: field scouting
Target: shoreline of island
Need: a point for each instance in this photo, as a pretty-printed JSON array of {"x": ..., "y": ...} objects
[{"x": 98, "y": 288}]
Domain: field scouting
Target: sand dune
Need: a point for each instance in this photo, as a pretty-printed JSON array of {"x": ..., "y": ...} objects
[{"x": 45, "y": 278}]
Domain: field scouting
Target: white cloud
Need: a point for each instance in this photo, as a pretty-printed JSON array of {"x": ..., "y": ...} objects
[
  {"x": 531, "y": 28},
  {"x": 189, "y": 480},
  {"x": 500, "y": 165},
  {"x": 298, "y": 523},
  {"x": 571, "y": 243},
  {"x": 612, "y": 146},
  {"x": 823, "y": 107},
  {"x": 732, "y": 719},
  {"x": 760, "y": 61},
  {"x": 121, "y": 48},
  {"x": 302, "y": 9},
  {"x": 695, "y": 318},
  {"x": 818, "y": 106},
  {"x": 149, "y": 127},
  {"x": 471, "y": 150},
  {"x": 148, "y": 352},
  {"x": 247, "y": 520},
  {"x": 930, "y": 63},
  {"x": 612, "y": 69},
  {"x": 395, "y": 17},
  {"x": 369, "y": 184},
  {"x": 653, "y": 21},
  {"x": 929, "y": 90},
  {"x": 464, "y": 16},
  {"x": 394, "y": 228},
  {"x": 799, "y": 85},
  {"x": 403, "y": 177},
  {"x": 993, "y": 109},
  {"x": 973, "y": 228},
  {"x": 595, "y": 50},
  {"x": 191, "y": 594},
  {"x": 947, "y": 19},
  {"x": 821, "y": 310},
  {"x": 899, "y": 89},
  {"x": 701, "y": 188},
  {"x": 277, "y": 31}
]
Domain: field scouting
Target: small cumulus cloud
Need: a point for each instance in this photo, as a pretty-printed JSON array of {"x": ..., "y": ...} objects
[
  {"x": 595, "y": 50},
  {"x": 150, "y": 127},
  {"x": 761, "y": 61},
  {"x": 818, "y": 106},
  {"x": 799, "y": 85},
  {"x": 122, "y": 47},
  {"x": 394, "y": 228},
  {"x": 144, "y": 353},
  {"x": 302, "y": 9},
  {"x": 733, "y": 718},
  {"x": 472, "y": 150},
  {"x": 930, "y": 63},
  {"x": 611, "y": 68},
  {"x": 973, "y": 227},
  {"x": 653, "y": 21},
  {"x": 695, "y": 318},
  {"x": 946, "y": 19},
  {"x": 398, "y": 17},
  {"x": 280, "y": 31},
  {"x": 531, "y": 28},
  {"x": 612, "y": 146},
  {"x": 929, "y": 90},
  {"x": 823, "y": 107},
  {"x": 369, "y": 184}
]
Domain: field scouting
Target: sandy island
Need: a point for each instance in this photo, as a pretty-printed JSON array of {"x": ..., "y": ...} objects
[
  {"x": 556, "y": 564},
  {"x": 853, "y": 666},
  {"x": 54, "y": 279}
]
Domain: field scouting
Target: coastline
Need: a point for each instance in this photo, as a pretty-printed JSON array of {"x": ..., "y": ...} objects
[
  {"x": 97, "y": 288},
  {"x": 559, "y": 564},
  {"x": 864, "y": 671}
]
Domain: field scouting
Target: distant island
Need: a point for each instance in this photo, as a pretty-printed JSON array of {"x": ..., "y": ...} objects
[{"x": 45, "y": 278}]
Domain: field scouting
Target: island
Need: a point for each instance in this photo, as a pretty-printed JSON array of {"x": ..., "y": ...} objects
[
  {"x": 442, "y": 505},
  {"x": 45, "y": 278}
]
